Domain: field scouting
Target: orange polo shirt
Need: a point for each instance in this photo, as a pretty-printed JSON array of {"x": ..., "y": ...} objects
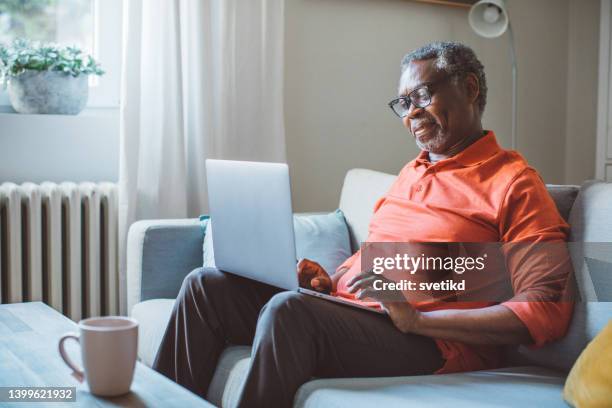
[{"x": 482, "y": 194}]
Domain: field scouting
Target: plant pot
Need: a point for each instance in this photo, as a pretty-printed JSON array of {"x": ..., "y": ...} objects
[{"x": 48, "y": 92}]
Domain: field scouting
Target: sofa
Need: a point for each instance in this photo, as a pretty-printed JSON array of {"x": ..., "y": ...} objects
[{"x": 162, "y": 252}]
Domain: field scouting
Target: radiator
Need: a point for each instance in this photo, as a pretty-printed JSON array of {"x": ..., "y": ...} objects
[{"x": 58, "y": 244}]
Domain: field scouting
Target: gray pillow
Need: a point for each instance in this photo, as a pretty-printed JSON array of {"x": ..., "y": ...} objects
[{"x": 323, "y": 238}]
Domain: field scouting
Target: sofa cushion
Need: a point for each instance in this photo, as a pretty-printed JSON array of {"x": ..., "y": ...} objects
[
  {"x": 564, "y": 197},
  {"x": 152, "y": 316},
  {"x": 591, "y": 215},
  {"x": 360, "y": 191},
  {"x": 510, "y": 387}
]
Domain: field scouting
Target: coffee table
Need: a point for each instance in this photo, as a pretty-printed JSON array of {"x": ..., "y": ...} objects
[{"x": 29, "y": 333}]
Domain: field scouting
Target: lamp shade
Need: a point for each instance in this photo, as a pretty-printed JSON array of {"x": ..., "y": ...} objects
[{"x": 489, "y": 18}]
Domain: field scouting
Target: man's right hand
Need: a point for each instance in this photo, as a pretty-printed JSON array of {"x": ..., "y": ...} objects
[{"x": 312, "y": 276}]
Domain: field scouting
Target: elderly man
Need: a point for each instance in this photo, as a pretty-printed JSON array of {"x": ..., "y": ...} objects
[{"x": 462, "y": 187}]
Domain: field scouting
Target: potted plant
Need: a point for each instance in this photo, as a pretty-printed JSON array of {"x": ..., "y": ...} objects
[{"x": 46, "y": 78}]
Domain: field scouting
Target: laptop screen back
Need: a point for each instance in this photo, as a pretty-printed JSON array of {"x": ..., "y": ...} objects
[{"x": 252, "y": 218}]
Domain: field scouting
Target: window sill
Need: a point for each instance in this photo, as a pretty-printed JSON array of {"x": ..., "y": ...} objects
[{"x": 7, "y": 111}]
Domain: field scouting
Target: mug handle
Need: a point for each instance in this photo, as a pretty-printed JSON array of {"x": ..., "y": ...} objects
[{"x": 76, "y": 371}]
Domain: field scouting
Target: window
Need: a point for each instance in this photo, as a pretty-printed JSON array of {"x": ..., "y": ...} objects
[
  {"x": 92, "y": 25},
  {"x": 66, "y": 21}
]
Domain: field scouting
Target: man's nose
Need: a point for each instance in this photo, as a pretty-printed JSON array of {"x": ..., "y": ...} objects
[{"x": 413, "y": 111}]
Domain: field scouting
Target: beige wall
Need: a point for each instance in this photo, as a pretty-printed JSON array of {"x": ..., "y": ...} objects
[
  {"x": 581, "y": 126},
  {"x": 342, "y": 65}
]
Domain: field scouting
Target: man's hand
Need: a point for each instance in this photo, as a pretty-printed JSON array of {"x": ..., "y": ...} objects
[
  {"x": 404, "y": 316},
  {"x": 311, "y": 275}
]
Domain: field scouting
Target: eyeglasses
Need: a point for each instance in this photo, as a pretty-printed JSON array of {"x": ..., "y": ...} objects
[{"x": 420, "y": 97}]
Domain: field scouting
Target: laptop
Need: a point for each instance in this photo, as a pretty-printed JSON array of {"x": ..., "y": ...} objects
[{"x": 250, "y": 209}]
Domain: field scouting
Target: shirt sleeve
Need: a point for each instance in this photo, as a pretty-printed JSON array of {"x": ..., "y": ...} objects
[{"x": 534, "y": 235}]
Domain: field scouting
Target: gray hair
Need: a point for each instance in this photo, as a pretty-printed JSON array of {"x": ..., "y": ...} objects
[{"x": 452, "y": 58}]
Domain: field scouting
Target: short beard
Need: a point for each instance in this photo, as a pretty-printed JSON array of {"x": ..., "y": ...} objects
[{"x": 434, "y": 145}]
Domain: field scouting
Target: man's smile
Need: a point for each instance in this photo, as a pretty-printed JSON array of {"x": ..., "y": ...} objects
[{"x": 422, "y": 128}]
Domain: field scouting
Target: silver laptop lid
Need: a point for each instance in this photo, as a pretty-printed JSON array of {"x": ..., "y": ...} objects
[{"x": 252, "y": 218}]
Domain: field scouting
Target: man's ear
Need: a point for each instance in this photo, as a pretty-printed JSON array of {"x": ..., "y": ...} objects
[{"x": 472, "y": 87}]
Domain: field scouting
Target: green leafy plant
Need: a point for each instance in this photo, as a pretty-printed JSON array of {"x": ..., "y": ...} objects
[{"x": 24, "y": 55}]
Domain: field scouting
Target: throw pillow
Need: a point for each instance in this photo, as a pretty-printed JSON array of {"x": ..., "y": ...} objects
[
  {"x": 589, "y": 383},
  {"x": 323, "y": 238}
]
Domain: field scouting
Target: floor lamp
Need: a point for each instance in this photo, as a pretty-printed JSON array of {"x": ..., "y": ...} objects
[{"x": 489, "y": 19}]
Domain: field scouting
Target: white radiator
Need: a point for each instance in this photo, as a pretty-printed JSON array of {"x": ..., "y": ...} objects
[{"x": 58, "y": 244}]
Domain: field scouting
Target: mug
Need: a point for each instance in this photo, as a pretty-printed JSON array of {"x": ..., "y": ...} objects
[{"x": 108, "y": 349}]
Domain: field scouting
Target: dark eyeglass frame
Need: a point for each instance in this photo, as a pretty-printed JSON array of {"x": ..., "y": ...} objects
[{"x": 408, "y": 99}]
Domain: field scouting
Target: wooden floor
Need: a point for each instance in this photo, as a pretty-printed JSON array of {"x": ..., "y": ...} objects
[{"x": 29, "y": 334}]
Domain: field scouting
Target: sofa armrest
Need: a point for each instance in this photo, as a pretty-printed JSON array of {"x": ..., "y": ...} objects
[{"x": 160, "y": 253}]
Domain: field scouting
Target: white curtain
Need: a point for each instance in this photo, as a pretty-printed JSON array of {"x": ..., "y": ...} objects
[{"x": 200, "y": 79}]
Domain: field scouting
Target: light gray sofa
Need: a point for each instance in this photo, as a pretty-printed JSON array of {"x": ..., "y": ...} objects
[{"x": 161, "y": 253}]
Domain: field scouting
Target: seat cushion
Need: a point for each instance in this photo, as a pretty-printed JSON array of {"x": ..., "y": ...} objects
[
  {"x": 231, "y": 370},
  {"x": 152, "y": 316},
  {"x": 510, "y": 387}
]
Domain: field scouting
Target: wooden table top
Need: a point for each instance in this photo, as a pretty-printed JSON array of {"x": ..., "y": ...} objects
[{"x": 29, "y": 335}]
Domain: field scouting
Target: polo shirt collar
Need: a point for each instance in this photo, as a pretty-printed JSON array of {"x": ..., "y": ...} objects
[{"x": 474, "y": 154}]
